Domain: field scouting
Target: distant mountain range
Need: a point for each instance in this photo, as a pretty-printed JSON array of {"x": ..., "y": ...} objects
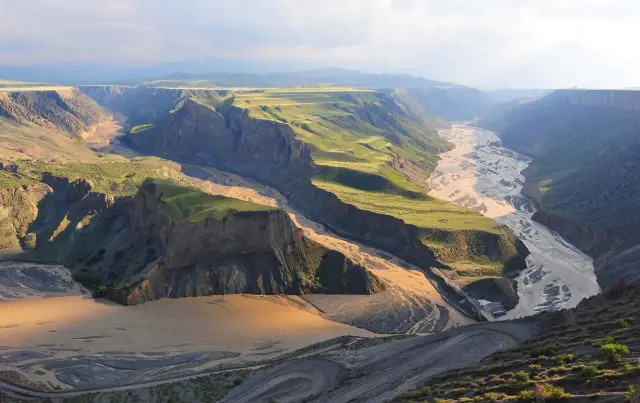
[{"x": 448, "y": 100}]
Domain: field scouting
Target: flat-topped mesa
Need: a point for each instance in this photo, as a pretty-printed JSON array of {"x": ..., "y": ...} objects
[{"x": 217, "y": 245}]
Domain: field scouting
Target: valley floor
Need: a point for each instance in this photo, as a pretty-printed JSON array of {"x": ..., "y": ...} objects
[
  {"x": 54, "y": 337},
  {"x": 64, "y": 340},
  {"x": 481, "y": 175}
]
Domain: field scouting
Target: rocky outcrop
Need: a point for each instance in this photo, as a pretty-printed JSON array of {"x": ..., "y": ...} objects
[
  {"x": 229, "y": 138},
  {"x": 592, "y": 241},
  {"x": 135, "y": 249},
  {"x": 629, "y": 99},
  {"x": 471, "y": 245},
  {"x": 18, "y": 210},
  {"x": 502, "y": 290},
  {"x": 257, "y": 252},
  {"x": 64, "y": 110}
]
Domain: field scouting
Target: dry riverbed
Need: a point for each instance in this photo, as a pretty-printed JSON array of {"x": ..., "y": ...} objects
[
  {"x": 65, "y": 339},
  {"x": 480, "y": 174}
]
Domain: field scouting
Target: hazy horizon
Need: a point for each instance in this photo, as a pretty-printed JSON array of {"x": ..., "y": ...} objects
[{"x": 492, "y": 44}]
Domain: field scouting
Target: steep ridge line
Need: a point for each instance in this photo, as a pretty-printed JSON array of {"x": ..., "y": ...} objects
[
  {"x": 261, "y": 141},
  {"x": 402, "y": 278}
]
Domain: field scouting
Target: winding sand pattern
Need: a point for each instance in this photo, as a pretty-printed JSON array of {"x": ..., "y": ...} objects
[
  {"x": 411, "y": 303},
  {"x": 481, "y": 175},
  {"x": 71, "y": 341},
  {"x": 378, "y": 373}
]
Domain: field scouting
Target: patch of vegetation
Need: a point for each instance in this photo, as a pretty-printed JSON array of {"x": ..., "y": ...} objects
[
  {"x": 535, "y": 371},
  {"x": 615, "y": 352},
  {"x": 140, "y": 128},
  {"x": 117, "y": 176},
  {"x": 423, "y": 212},
  {"x": 190, "y": 204}
]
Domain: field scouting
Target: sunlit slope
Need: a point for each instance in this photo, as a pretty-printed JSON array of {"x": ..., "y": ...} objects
[{"x": 363, "y": 139}]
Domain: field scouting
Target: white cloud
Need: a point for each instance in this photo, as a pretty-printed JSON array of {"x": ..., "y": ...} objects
[{"x": 490, "y": 43}]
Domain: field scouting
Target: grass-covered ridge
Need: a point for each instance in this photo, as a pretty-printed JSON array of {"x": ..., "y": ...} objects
[
  {"x": 110, "y": 174},
  {"x": 422, "y": 211},
  {"x": 356, "y": 137},
  {"x": 190, "y": 204}
]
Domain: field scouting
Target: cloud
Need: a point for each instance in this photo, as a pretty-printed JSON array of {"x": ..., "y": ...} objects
[{"x": 489, "y": 43}]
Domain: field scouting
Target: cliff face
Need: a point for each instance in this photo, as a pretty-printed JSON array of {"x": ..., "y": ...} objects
[
  {"x": 135, "y": 249},
  {"x": 66, "y": 110},
  {"x": 258, "y": 252},
  {"x": 269, "y": 152},
  {"x": 451, "y": 103},
  {"x": 18, "y": 209},
  {"x": 228, "y": 138}
]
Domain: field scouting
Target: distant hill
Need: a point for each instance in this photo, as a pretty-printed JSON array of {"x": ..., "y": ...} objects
[
  {"x": 508, "y": 94},
  {"x": 336, "y": 76},
  {"x": 586, "y": 170},
  {"x": 443, "y": 99},
  {"x": 450, "y": 103}
]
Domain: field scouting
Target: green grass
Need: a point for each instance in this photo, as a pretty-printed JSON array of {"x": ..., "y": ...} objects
[
  {"x": 140, "y": 128},
  {"x": 425, "y": 211},
  {"x": 112, "y": 175},
  {"x": 354, "y": 151},
  {"x": 336, "y": 121},
  {"x": 188, "y": 204}
]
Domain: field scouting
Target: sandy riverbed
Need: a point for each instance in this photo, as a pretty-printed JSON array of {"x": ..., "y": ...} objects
[
  {"x": 49, "y": 338},
  {"x": 481, "y": 175}
]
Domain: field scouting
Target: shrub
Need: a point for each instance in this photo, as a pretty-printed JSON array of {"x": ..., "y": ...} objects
[
  {"x": 633, "y": 395},
  {"x": 622, "y": 323},
  {"x": 535, "y": 367},
  {"x": 590, "y": 371},
  {"x": 601, "y": 342},
  {"x": 578, "y": 367},
  {"x": 527, "y": 395},
  {"x": 549, "y": 392},
  {"x": 494, "y": 396},
  {"x": 100, "y": 291},
  {"x": 88, "y": 280},
  {"x": 522, "y": 376},
  {"x": 564, "y": 359},
  {"x": 543, "y": 351},
  {"x": 458, "y": 391},
  {"x": 614, "y": 351}
]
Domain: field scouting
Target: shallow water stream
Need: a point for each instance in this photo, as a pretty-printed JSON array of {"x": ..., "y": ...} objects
[{"x": 482, "y": 175}]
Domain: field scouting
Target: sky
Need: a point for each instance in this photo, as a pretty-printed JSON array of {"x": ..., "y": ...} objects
[{"x": 482, "y": 43}]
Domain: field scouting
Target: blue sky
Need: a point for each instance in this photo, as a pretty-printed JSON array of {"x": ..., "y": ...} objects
[{"x": 484, "y": 43}]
